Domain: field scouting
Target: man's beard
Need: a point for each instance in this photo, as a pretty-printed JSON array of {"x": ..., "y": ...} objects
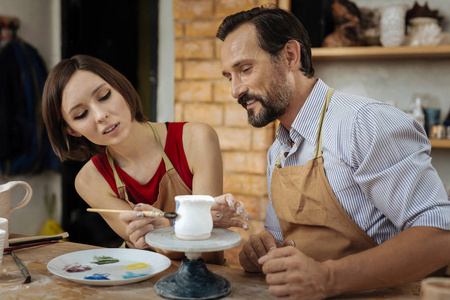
[{"x": 274, "y": 103}]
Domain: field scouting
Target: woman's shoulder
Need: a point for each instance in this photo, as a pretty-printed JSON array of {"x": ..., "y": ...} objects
[
  {"x": 198, "y": 130},
  {"x": 88, "y": 176},
  {"x": 199, "y": 139}
]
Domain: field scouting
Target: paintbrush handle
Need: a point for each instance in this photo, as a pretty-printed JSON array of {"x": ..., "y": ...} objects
[
  {"x": 147, "y": 213},
  {"x": 153, "y": 213},
  {"x": 33, "y": 239},
  {"x": 22, "y": 268},
  {"x": 36, "y": 240},
  {"x": 28, "y": 245}
]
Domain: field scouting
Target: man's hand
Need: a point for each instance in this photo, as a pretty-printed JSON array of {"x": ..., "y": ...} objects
[
  {"x": 257, "y": 246},
  {"x": 225, "y": 209},
  {"x": 291, "y": 274},
  {"x": 138, "y": 225}
]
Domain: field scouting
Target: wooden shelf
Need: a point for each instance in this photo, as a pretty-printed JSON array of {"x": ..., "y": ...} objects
[
  {"x": 444, "y": 143},
  {"x": 360, "y": 53},
  {"x": 353, "y": 53}
]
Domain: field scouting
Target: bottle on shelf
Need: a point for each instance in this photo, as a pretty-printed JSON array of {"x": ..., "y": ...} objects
[
  {"x": 446, "y": 124},
  {"x": 417, "y": 111}
]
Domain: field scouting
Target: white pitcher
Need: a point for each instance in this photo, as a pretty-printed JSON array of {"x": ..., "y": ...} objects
[
  {"x": 194, "y": 220},
  {"x": 5, "y": 199}
]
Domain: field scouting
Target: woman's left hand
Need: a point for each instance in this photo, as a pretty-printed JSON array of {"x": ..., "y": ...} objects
[{"x": 225, "y": 209}]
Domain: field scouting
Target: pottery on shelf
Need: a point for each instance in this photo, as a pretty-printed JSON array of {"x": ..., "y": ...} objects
[
  {"x": 194, "y": 220},
  {"x": 392, "y": 25},
  {"x": 424, "y": 31}
]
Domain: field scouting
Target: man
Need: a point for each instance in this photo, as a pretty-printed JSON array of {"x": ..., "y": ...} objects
[{"x": 355, "y": 203}]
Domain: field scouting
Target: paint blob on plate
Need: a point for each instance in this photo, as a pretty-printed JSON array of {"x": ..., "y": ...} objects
[
  {"x": 103, "y": 260},
  {"x": 76, "y": 268},
  {"x": 97, "y": 276},
  {"x": 137, "y": 266},
  {"x": 130, "y": 274}
]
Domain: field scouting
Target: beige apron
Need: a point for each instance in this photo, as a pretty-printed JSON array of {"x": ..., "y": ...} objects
[
  {"x": 309, "y": 212},
  {"x": 170, "y": 186}
]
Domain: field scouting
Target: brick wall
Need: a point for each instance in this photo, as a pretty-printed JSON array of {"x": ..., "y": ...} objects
[{"x": 203, "y": 95}]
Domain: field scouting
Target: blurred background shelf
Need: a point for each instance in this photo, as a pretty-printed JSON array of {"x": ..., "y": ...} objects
[
  {"x": 351, "y": 53},
  {"x": 445, "y": 143}
]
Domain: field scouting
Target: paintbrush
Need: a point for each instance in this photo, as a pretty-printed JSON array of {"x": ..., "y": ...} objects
[
  {"x": 22, "y": 268},
  {"x": 29, "y": 245},
  {"x": 147, "y": 213},
  {"x": 37, "y": 239}
]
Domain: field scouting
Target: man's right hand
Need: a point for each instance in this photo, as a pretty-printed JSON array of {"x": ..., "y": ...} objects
[{"x": 258, "y": 245}]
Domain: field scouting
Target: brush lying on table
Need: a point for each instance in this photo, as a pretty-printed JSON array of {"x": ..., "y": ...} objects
[
  {"x": 22, "y": 268},
  {"x": 32, "y": 241},
  {"x": 36, "y": 239},
  {"x": 31, "y": 244},
  {"x": 146, "y": 213}
]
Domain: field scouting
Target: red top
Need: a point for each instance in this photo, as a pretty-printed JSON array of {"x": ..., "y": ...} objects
[{"x": 148, "y": 193}]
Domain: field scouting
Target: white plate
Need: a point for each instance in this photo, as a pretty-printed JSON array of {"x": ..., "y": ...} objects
[{"x": 124, "y": 266}]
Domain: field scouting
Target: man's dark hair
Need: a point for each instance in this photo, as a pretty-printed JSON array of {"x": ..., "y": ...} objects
[{"x": 274, "y": 27}]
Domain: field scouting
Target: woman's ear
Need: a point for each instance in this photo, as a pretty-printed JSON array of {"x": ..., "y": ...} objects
[
  {"x": 292, "y": 51},
  {"x": 72, "y": 132}
]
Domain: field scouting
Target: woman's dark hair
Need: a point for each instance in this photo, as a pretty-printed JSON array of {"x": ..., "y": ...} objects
[
  {"x": 65, "y": 145},
  {"x": 274, "y": 27}
]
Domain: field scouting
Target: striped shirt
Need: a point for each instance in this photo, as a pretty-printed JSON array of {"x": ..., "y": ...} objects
[{"x": 376, "y": 159}]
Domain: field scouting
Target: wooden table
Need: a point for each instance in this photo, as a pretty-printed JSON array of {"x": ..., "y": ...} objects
[{"x": 45, "y": 285}]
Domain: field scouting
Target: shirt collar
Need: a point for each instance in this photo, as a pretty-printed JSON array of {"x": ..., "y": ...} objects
[{"x": 309, "y": 114}]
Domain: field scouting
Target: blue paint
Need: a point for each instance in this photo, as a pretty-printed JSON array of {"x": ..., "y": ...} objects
[
  {"x": 98, "y": 276},
  {"x": 133, "y": 275},
  {"x": 177, "y": 204}
]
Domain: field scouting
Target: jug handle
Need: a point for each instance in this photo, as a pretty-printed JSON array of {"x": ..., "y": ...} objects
[{"x": 26, "y": 199}]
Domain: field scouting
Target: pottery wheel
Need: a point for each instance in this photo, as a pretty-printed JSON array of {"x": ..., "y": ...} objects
[
  {"x": 220, "y": 239},
  {"x": 193, "y": 280}
]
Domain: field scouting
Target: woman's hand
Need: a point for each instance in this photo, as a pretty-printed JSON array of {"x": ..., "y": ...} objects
[
  {"x": 225, "y": 209},
  {"x": 138, "y": 225}
]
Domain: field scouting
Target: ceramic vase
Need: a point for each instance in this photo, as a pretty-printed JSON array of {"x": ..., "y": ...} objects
[
  {"x": 424, "y": 32},
  {"x": 392, "y": 25},
  {"x": 194, "y": 220}
]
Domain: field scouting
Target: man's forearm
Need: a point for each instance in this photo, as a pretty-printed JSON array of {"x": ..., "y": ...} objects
[{"x": 411, "y": 255}]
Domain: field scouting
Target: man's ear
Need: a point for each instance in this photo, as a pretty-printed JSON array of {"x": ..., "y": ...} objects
[
  {"x": 293, "y": 54},
  {"x": 72, "y": 132}
]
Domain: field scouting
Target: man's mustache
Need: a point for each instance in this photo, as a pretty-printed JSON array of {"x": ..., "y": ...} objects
[{"x": 243, "y": 100}]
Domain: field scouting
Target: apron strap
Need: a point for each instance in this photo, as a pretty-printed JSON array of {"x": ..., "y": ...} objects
[
  {"x": 319, "y": 130},
  {"x": 121, "y": 188},
  {"x": 167, "y": 161},
  {"x": 318, "y": 151}
]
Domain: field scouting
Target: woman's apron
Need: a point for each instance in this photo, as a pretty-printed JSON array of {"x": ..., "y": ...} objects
[
  {"x": 309, "y": 212},
  {"x": 171, "y": 184}
]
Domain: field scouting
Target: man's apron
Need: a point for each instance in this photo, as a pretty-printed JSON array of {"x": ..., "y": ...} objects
[
  {"x": 309, "y": 212},
  {"x": 171, "y": 184}
]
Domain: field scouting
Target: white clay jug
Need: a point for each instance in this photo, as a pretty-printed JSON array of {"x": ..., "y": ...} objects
[
  {"x": 194, "y": 220},
  {"x": 5, "y": 199}
]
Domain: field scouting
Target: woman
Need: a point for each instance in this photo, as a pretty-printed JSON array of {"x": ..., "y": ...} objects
[{"x": 91, "y": 111}]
